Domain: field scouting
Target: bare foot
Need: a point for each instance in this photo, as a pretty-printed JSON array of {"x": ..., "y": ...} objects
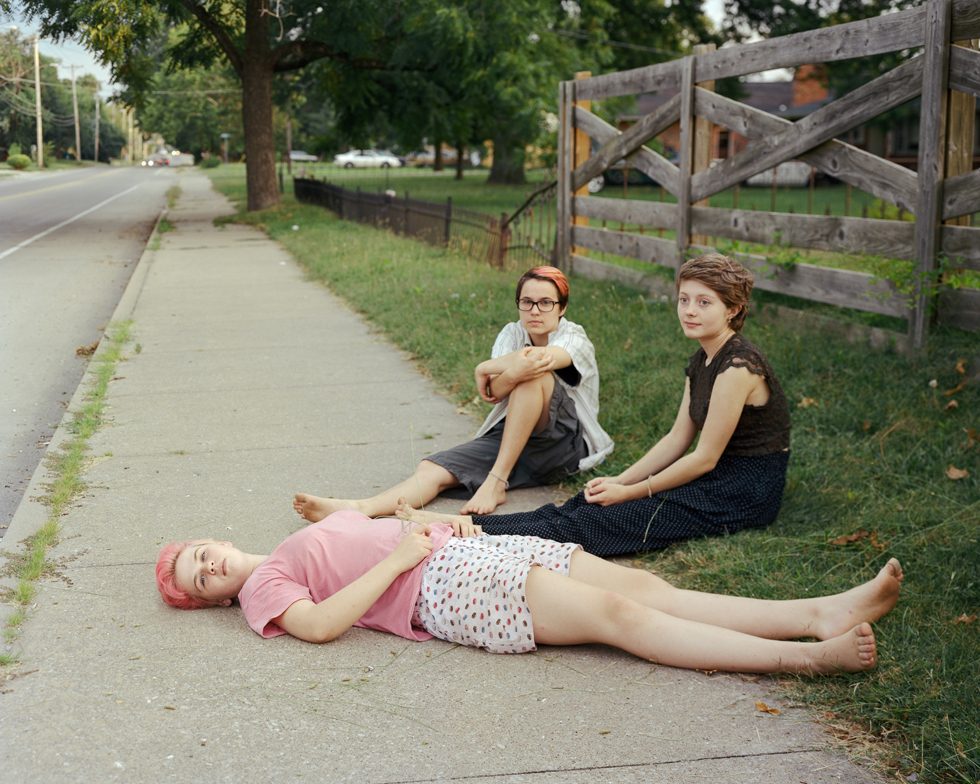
[
  {"x": 405, "y": 511},
  {"x": 866, "y": 602},
  {"x": 852, "y": 651},
  {"x": 313, "y": 508},
  {"x": 491, "y": 494}
]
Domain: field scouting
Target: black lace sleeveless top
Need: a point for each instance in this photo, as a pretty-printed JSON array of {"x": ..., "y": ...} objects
[{"x": 761, "y": 430}]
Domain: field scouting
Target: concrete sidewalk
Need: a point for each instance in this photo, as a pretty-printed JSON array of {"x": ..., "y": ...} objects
[{"x": 244, "y": 383}]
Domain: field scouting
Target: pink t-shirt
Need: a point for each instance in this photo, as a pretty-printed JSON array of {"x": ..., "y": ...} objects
[{"x": 319, "y": 560}]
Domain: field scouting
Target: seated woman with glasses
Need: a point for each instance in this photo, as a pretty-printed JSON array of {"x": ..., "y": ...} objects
[
  {"x": 732, "y": 479},
  {"x": 543, "y": 379}
]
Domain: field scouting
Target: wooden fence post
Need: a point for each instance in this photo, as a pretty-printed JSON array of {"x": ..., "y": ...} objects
[
  {"x": 563, "y": 219},
  {"x": 959, "y": 136},
  {"x": 703, "y": 131},
  {"x": 581, "y": 149},
  {"x": 931, "y": 165},
  {"x": 686, "y": 158}
]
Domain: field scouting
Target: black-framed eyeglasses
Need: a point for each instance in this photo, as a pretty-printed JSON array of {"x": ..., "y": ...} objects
[{"x": 544, "y": 305}]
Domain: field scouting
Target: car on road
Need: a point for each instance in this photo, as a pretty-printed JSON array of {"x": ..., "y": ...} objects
[
  {"x": 157, "y": 159},
  {"x": 301, "y": 156},
  {"x": 364, "y": 159}
]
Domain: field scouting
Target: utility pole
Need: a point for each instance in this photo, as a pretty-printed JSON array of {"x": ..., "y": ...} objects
[
  {"x": 74, "y": 101},
  {"x": 97, "y": 107},
  {"x": 37, "y": 105}
]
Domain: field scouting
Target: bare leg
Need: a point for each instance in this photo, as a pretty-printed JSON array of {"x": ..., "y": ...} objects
[
  {"x": 569, "y": 612},
  {"x": 527, "y": 412},
  {"x": 823, "y": 617},
  {"x": 425, "y": 484},
  {"x": 406, "y": 511}
]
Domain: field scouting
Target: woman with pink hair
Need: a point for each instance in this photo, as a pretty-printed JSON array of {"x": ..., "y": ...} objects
[
  {"x": 543, "y": 380},
  {"x": 508, "y": 594}
]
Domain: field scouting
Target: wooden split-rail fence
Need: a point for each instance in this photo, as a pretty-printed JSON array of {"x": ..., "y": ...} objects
[{"x": 944, "y": 187}]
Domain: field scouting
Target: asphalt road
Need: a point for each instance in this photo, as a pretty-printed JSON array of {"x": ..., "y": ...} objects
[{"x": 69, "y": 242}]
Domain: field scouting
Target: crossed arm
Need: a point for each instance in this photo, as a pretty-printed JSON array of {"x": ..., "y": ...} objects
[
  {"x": 669, "y": 464},
  {"x": 327, "y": 620},
  {"x": 497, "y": 377}
]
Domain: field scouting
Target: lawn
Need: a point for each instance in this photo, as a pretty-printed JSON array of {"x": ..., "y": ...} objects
[{"x": 876, "y": 439}]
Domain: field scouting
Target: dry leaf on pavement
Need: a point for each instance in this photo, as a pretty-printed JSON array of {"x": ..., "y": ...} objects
[{"x": 763, "y": 708}]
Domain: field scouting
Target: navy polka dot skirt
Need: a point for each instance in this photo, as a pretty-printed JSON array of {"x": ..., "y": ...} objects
[{"x": 740, "y": 492}]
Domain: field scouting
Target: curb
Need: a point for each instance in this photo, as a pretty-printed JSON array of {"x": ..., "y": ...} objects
[{"x": 31, "y": 514}]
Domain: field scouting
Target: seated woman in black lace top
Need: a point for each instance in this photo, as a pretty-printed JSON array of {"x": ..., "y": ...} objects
[{"x": 734, "y": 476}]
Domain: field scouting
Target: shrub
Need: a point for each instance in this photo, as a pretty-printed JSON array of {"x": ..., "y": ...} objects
[
  {"x": 19, "y": 162},
  {"x": 211, "y": 162}
]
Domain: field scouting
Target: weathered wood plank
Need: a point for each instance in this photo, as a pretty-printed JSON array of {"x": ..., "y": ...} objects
[
  {"x": 652, "y": 283},
  {"x": 964, "y": 70},
  {"x": 863, "y": 170},
  {"x": 960, "y": 309},
  {"x": 899, "y": 85},
  {"x": 686, "y": 162},
  {"x": 843, "y": 288},
  {"x": 887, "y": 33},
  {"x": 655, "y": 214},
  {"x": 892, "y": 239},
  {"x": 634, "y": 246},
  {"x": 624, "y": 143},
  {"x": 966, "y": 20},
  {"x": 702, "y": 134},
  {"x": 563, "y": 196},
  {"x": 648, "y": 79},
  {"x": 652, "y": 164},
  {"x": 961, "y": 245},
  {"x": 931, "y": 164}
]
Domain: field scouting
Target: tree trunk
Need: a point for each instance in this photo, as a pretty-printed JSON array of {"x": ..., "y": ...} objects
[
  {"x": 460, "y": 152},
  {"x": 260, "y": 142},
  {"x": 508, "y": 161},
  {"x": 437, "y": 156}
]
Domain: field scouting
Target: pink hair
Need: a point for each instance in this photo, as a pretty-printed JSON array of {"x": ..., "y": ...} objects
[
  {"x": 171, "y": 593},
  {"x": 550, "y": 274}
]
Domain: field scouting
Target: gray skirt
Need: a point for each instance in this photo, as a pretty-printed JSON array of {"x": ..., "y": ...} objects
[{"x": 549, "y": 456}]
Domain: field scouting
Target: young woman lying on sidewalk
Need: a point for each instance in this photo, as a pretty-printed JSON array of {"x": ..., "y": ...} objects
[
  {"x": 510, "y": 593},
  {"x": 543, "y": 379},
  {"x": 732, "y": 479}
]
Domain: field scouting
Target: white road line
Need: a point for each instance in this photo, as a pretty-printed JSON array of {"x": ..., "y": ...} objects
[{"x": 64, "y": 223}]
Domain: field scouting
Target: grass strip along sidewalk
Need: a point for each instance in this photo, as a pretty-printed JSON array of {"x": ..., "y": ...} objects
[
  {"x": 66, "y": 468},
  {"x": 878, "y": 443}
]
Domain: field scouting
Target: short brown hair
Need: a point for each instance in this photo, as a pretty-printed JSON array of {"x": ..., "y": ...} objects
[{"x": 726, "y": 277}]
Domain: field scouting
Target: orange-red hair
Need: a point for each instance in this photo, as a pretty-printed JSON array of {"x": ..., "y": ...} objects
[
  {"x": 171, "y": 593},
  {"x": 550, "y": 274}
]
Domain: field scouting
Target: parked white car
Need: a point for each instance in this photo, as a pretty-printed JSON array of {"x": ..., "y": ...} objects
[
  {"x": 363, "y": 159},
  {"x": 300, "y": 156}
]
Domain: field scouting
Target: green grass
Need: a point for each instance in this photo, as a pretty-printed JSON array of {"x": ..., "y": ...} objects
[
  {"x": 67, "y": 467},
  {"x": 870, "y": 453}
]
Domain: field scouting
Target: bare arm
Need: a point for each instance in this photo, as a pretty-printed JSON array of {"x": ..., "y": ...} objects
[
  {"x": 327, "y": 620},
  {"x": 728, "y": 397},
  {"x": 496, "y": 378}
]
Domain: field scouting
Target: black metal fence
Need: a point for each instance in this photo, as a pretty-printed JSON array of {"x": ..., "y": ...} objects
[{"x": 476, "y": 234}]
